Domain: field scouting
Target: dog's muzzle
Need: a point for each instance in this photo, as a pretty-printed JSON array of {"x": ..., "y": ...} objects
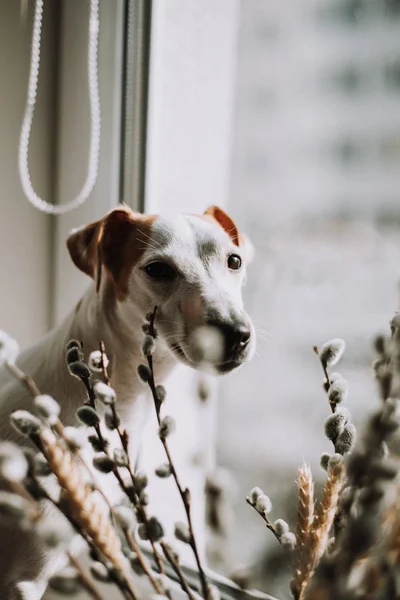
[{"x": 236, "y": 336}]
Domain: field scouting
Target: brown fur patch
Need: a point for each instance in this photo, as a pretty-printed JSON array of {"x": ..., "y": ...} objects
[
  {"x": 225, "y": 221},
  {"x": 115, "y": 243}
]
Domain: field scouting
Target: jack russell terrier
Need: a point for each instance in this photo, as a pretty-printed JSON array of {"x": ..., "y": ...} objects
[{"x": 193, "y": 269}]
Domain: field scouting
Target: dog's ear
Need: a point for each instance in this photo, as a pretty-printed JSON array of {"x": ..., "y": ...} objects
[
  {"x": 225, "y": 221},
  {"x": 82, "y": 244},
  {"x": 111, "y": 243},
  {"x": 239, "y": 239}
]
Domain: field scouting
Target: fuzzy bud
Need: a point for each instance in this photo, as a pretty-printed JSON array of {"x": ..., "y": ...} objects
[
  {"x": 161, "y": 393},
  {"x": 97, "y": 360},
  {"x": 281, "y": 527},
  {"x": 182, "y": 532},
  {"x": 103, "y": 463},
  {"x": 111, "y": 419},
  {"x": 120, "y": 457},
  {"x": 74, "y": 355},
  {"x": 143, "y": 498},
  {"x": 98, "y": 445},
  {"x": 124, "y": 516},
  {"x": 206, "y": 345},
  {"x": 74, "y": 438},
  {"x": 88, "y": 416},
  {"x": 144, "y": 373},
  {"x": 346, "y": 439},
  {"x": 288, "y": 541},
  {"x": 99, "y": 572},
  {"x": 141, "y": 481},
  {"x": 255, "y": 493},
  {"x": 26, "y": 423},
  {"x": 263, "y": 504},
  {"x": 65, "y": 581},
  {"x": 9, "y": 348},
  {"x": 13, "y": 463},
  {"x": 104, "y": 393},
  {"x": 80, "y": 370},
  {"x": 163, "y": 471},
  {"x": 12, "y": 506},
  {"x": 167, "y": 427},
  {"x": 335, "y": 461},
  {"x": 334, "y": 425},
  {"x": 73, "y": 344},
  {"x": 338, "y": 391},
  {"x": 332, "y": 352},
  {"x": 148, "y": 346},
  {"x": 47, "y": 408},
  {"x": 135, "y": 562},
  {"x": 41, "y": 467},
  {"x": 324, "y": 460},
  {"x": 155, "y": 530}
]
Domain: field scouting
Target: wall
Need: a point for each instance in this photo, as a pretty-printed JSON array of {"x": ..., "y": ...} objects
[{"x": 25, "y": 234}]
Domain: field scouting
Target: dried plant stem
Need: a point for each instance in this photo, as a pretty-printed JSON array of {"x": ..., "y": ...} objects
[
  {"x": 305, "y": 506},
  {"x": 266, "y": 519},
  {"x": 316, "y": 541},
  {"x": 25, "y": 379},
  {"x": 174, "y": 561},
  {"x": 84, "y": 579},
  {"x": 84, "y": 507},
  {"x": 183, "y": 492}
]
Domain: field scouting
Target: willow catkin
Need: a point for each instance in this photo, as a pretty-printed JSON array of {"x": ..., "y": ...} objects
[
  {"x": 316, "y": 540},
  {"x": 85, "y": 509}
]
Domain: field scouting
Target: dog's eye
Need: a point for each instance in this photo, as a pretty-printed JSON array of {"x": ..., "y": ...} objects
[
  {"x": 234, "y": 262},
  {"x": 160, "y": 270}
]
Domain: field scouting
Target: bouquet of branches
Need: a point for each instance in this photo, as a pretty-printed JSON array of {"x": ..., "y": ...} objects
[{"x": 345, "y": 544}]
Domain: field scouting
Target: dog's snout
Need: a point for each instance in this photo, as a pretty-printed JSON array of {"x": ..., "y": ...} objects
[
  {"x": 243, "y": 335},
  {"x": 236, "y": 336}
]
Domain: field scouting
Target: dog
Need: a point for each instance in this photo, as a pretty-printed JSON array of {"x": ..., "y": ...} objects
[{"x": 193, "y": 269}]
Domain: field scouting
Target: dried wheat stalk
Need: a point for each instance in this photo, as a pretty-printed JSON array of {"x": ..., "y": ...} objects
[
  {"x": 83, "y": 505},
  {"x": 315, "y": 542}
]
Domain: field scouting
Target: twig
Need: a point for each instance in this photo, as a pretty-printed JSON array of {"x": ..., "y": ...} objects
[
  {"x": 85, "y": 580},
  {"x": 173, "y": 560},
  {"x": 25, "y": 379},
  {"x": 266, "y": 519},
  {"x": 142, "y": 559},
  {"x": 124, "y": 439},
  {"x": 183, "y": 492}
]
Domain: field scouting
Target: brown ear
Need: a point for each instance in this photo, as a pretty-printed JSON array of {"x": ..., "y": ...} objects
[
  {"x": 225, "y": 221},
  {"x": 114, "y": 243},
  {"x": 82, "y": 244}
]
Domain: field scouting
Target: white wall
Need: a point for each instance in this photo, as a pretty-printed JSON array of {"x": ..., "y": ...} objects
[{"x": 25, "y": 234}]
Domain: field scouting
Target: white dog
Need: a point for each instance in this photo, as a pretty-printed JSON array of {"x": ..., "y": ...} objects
[{"x": 192, "y": 268}]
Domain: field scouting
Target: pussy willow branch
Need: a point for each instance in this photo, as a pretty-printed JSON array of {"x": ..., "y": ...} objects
[
  {"x": 327, "y": 378},
  {"x": 174, "y": 561},
  {"x": 25, "y": 379},
  {"x": 85, "y": 580},
  {"x": 183, "y": 492},
  {"x": 124, "y": 439},
  {"x": 265, "y": 518}
]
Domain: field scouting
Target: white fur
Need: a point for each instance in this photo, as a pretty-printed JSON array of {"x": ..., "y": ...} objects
[{"x": 204, "y": 285}]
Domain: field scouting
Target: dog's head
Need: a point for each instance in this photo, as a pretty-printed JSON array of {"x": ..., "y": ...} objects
[{"x": 192, "y": 268}]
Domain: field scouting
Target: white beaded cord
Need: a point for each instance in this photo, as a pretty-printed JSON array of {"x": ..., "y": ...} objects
[{"x": 95, "y": 116}]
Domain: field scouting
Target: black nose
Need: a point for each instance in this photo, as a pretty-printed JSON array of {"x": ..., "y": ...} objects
[{"x": 236, "y": 337}]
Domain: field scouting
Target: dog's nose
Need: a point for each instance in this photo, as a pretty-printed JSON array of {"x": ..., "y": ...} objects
[{"x": 236, "y": 337}]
